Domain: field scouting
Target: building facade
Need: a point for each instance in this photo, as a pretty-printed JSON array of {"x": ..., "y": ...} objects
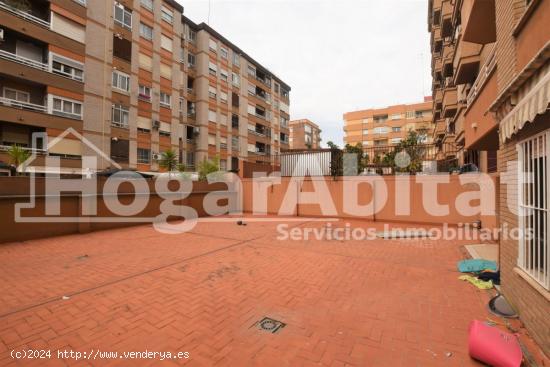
[
  {"x": 135, "y": 79},
  {"x": 501, "y": 72},
  {"x": 304, "y": 134},
  {"x": 388, "y": 126}
]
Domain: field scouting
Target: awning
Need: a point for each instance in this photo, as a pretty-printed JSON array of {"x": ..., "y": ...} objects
[{"x": 533, "y": 99}]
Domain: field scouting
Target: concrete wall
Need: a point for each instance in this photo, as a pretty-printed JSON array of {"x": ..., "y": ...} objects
[
  {"x": 397, "y": 189},
  {"x": 15, "y": 190}
]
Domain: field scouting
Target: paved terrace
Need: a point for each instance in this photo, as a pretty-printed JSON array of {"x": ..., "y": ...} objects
[{"x": 376, "y": 303}]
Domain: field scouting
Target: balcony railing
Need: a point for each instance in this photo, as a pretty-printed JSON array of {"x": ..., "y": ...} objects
[
  {"x": 23, "y": 105},
  {"x": 5, "y": 148},
  {"x": 23, "y": 60},
  {"x": 24, "y": 15},
  {"x": 482, "y": 77}
]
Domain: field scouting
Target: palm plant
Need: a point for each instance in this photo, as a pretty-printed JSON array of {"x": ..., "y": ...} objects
[
  {"x": 18, "y": 155},
  {"x": 169, "y": 160}
]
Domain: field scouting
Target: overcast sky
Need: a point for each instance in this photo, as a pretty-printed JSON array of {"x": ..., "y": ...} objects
[{"x": 337, "y": 55}]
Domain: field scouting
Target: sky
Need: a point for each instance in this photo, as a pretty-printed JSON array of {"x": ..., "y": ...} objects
[{"x": 336, "y": 55}]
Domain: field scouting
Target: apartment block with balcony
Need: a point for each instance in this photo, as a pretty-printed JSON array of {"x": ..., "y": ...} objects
[
  {"x": 388, "y": 126},
  {"x": 463, "y": 55},
  {"x": 42, "y": 79},
  {"x": 236, "y": 109},
  {"x": 304, "y": 134}
]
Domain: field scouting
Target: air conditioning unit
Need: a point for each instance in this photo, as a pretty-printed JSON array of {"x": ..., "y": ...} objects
[
  {"x": 156, "y": 124},
  {"x": 196, "y": 131},
  {"x": 155, "y": 156},
  {"x": 1, "y": 34}
]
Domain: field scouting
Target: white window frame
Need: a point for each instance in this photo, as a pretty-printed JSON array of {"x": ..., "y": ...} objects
[
  {"x": 147, "y": 4},
  {"x": 165, "y": 100},
  {"x": 166, "y": 14},
  {"x": 192, "y": 35},
  {"x": 224, "y": 53},
  {"x": 122, "y": 22},
  {"x": 144, "y": 93},
  {"x": 73, "y": 115},
  {"x": 236, "y": 59},
  {"x": 212, "y": 45},
  {"x": 142, "y": 34},
  {"x": 123, "y": 111},
  {"x": 71, "y": 74},
  {"x": 17, "y": 93},
  {"x": 120, "y": 76},
  {"x": 534, "y": 215},
  {"x": 236, "y": 79},
  {"x": 143, "y": 161},
  {"x": 191, "y": 56}
]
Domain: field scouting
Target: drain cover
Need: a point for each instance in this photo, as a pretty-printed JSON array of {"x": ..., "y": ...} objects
[{"x": 270, "y": 325}]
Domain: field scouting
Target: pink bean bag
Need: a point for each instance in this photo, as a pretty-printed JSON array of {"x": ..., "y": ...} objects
[{"x": 493, "y": 346}]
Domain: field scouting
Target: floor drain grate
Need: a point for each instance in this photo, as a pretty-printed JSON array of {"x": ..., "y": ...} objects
[{"x": 270, "y": 325}]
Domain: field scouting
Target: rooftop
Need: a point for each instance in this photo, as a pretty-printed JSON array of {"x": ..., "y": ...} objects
[{"x": 389, "y": 302}]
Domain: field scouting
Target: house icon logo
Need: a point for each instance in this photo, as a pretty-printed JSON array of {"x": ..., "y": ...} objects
[{"x": 53, "y": 168}]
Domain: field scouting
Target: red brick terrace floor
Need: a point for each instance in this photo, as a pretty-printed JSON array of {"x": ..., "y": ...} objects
[{"x": 355, "y": 303}]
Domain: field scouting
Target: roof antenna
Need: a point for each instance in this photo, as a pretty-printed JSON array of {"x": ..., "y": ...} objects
[{"x": 209, "y": 2}]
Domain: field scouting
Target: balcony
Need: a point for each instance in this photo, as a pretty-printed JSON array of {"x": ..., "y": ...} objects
[
  {"x": 446, "y": 19},
  {"x": 450, "y": 102},
  {"x": 466, "y": 62},
  {"x": 479, "y": 21},
  {"x": 35, "y": 14}
]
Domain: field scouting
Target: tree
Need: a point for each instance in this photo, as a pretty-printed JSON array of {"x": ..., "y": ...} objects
[
  {"x": 331, "y": 145},
  {"x": 18, "y": 155},
  {"x": 169, "y": 160},
  {"x": 415, "y": 150},
  {"x": 208, "y": 166},
  {"x": 362, "y": 158}
]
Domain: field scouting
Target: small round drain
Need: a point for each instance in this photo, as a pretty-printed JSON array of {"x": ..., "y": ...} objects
[{"x": 268, "y": 325}]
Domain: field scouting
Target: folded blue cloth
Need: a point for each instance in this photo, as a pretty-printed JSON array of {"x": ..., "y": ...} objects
[{"x": 475, "y": 265}]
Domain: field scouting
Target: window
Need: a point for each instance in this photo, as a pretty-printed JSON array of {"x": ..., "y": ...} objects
[
  {"x": 533, "y": 189},
  {"x": 165, "y": 100},
  {"x": 145, "y": 31},
  {"x": 234, "y": 99},
  {"x": 212, "y": 116},
  {"x": 143, "y": 156},
  {"x": 17, "y": 95},
  {"x": 144, "y": 93},
  {"x": 166, "y": 14},
  {"x": 223, "y": 165},
  {"x": 381, "y": 130},
  {"x": 276, "y": 87},
  {"x": 236, "y": 79},
  {"x": 192, "y": 35},
  {"x": 396, "y": 129},
  {"x": 212, "y": 45},
  {"x": 65, "y": 107},
  {"x": 224, "y": 75},
  {"x": 419, "y": 114},
  {"x": 211, "y": 139},
  {"x": 120, "y": 150},
  {"x": 164, "y": 129},
  {"x": 147, "y": 4},
  {"x": 236, "y": 59},
  {"x": 190, "y": 159},
  {"x": 166, "y": 42},
  {"x": 123, "y": 16},
  {"x": 145, "y": 62},
  {"x": 395, "y": 140},
  {"x": 396, "y": 116},
  {"x": 122, "y": 48},
  {"x": 380, "y": 119},
  {"x": 223, "y": 97},
  {"x": 251, "y": 70},
  {"x": 121, "y": 81},
  {"x": 212, "y": 68},
  {"x": 224, "y": 53},
  {"x": 365, "y": 132},
  {"x": 409, "y": 114},
  {"x": 191, "y": 60},
  {"x": 144, "y": 124},
  {"x": 66, "y": 67},
  {"x": 212, "y": 92},
  {"x": 119, "y": 116},
  {"x": 235, "y": 121},
  {"x": 165, "y": 71}
]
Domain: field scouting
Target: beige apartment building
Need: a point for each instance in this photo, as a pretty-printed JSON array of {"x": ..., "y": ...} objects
[
  {"x": 387, "y": 126},
  {"x": 134, "y": 79},
  {"x": 304, "y": 134},
  {"x": 491, "y": 67}
]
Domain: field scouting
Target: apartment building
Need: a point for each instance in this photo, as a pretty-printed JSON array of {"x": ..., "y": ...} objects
[
  {"x": 463, "y": 65},
  {"x": 304, "y": 134},
  {"x": 500, "y": 75},
  {"x": 387, "y": 126},
  {"x": 134, "y": 79},
  {"x": 236, "y": 108}
]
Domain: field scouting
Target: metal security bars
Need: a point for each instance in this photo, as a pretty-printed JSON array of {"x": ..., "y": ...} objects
[{"x": 534, "y": 185}]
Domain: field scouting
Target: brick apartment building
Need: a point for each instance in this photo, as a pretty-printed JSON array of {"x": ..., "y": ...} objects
[
  {"x": 135, "y": 78},
  {"x": 491, "y": 65},
  {"x": 304, "y": 134},
  {"x": 388, "y": 126}
]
